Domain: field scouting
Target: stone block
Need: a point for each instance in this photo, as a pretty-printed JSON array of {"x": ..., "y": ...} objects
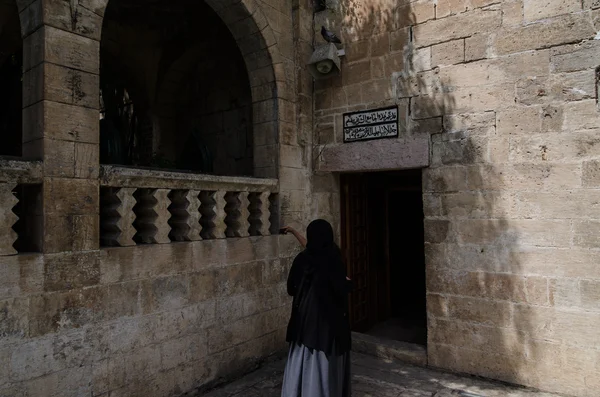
[
  {"x": 456, "y": 27},
  {"x": 586, "y": 234},
  {"x": 469, "y": 124},
  {"x": 399, "y": 154},
  {"x": 237, "y": 279},
  {"x": 575, "y": 57},
  {"x": 167, "y": 293},
  {"x": 15, "y": 319},
  {"x": 512, "y": 12},
  {"x": 591, "y": 4},
  {"x": 142, "y": 364},
  {"x": 487, "y": 204},
  {"x": 178, "y": 351},
  {"x": 537, "y": 290},
  {"x": 60, "y": 121},
  {"x": 536, "y": 10},
  {"x": 35, "y": 358},
  {"x": 357, "y": 72},
  {"x": 71, "y": 50},
  {"x": 581, "y": 115},
  {"x": 519, "y": 121},
  {"x": 71, "y": 381},
  {"x": 564, "y": 292},
  {"x": 230, "y": 309},
  {"x": 413, "y": 13},
  {"x": 590, "y": 294},
  {"x": 449, "y": 53},
  {"x": 378, "y": 93},
  {"x": 476, "y": 47},
  {"x": 203, "y": 285},
  {"x": 561, "y": 30},
  {"x": 480, "y": 311},
  {"x": 70, "y": 86},
  {"x": 96, "y": 6},
  {"x": 87, "y": 160},
  {"x": 59, "y": 158},
  {"x": 357, "y": 50},
  {"x": 446, "y": 179},
  {"x": 33, "y": 49},
  {"x": 591, "y": 173},
  {"x": 553, "y": 147},
  {"x": 500, "y": 70},
  {"x": 397, "y": 41},
  {"x": 208, "y": 253},
  {"x": 72, "y": 18},
  {"x": 392, "y": 63},
  {"x": 71, "y": 197},
  {"x": 71, "y": 270}
]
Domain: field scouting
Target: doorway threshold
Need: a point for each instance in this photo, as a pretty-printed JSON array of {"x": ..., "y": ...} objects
[{"x": 389, "y": 349}]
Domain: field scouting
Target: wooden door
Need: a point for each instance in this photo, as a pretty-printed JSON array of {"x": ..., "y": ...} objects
[{"x": 355, "y": 248}]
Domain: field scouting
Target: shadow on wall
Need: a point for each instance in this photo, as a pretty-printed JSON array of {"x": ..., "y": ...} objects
[{"x": 480, "y": 305}]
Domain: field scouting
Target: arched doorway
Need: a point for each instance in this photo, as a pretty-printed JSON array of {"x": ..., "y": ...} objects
[
  {"x": 175, "y": 90},
  {"x": 11, "y": 73}
]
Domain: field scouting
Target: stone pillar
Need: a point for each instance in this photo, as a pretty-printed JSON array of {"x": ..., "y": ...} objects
[
  {"x": 260, "y": 214},
  {"x": 117, "y": 217},
  {"x": 212, "y": 210},
  {"x": 60, "y": 116},
  {"x": 185, "y": 215},
  {"x": 7, "y": 219}
]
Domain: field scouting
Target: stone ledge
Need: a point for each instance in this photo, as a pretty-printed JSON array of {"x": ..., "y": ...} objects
[
  {"x": 380, "y": 155},
  {"x": 19, "y": 171},
  {"x": 389, "y": 349},
  {"x": 119, "y": 176}
]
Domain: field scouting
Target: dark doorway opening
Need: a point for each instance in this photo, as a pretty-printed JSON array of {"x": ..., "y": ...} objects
[{"x": 383, "y": 245}]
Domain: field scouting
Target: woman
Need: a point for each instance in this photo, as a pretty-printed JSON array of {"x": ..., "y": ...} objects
[{"x": 318, "y": 332}]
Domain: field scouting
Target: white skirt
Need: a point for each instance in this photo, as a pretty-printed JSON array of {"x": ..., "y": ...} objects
[{"x": 311, "y": 373}]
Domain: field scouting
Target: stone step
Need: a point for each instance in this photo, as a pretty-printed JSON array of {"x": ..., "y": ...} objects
[{"x": 389, "y": 349}]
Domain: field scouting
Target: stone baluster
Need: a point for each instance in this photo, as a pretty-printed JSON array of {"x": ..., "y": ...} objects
[
  {"x": 238, "y": 213},
  {"x": 7, "y": 219},
  {"x": 212, "y": 211},
  {"x": 117, "y": 217},
  {"x": 185, "y": 215},
  {"x": 260, "y": 214},
  {"x": 152, "y": 216}
]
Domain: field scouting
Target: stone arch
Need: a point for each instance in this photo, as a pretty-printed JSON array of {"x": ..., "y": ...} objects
[
  {"x": 11, "y": 63},
  {"x": 257, "y": 45}
]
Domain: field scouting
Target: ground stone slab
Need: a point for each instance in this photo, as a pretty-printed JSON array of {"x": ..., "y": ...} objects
[{"x": 377, "y": 377}]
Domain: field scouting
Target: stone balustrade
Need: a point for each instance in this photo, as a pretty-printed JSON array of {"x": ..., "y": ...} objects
[
  {"x": 20, "y": 186},
  {"x": 142, "y": 206}
]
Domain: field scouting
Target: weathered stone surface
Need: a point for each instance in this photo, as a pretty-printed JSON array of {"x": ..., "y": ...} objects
[
  {"x": 534, "y": 10},
  {"x": 456, "y": 27},
  {"x": 71, "y": 50},
  {"x": 399, "y": 154},
  {"x": 544, "y": 34},
  {"x": 449, "y": 53}
]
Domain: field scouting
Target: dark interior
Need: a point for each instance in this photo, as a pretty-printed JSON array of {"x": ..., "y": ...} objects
[
  {"x": 11, "y": 77},
  {"x": 396, "y": 257}
]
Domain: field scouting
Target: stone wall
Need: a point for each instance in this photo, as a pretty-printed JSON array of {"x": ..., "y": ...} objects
[
  {"x": 504, "y": 91},
  {"x": 158, "y": 320},
  {"x": 155, "y": 319}
]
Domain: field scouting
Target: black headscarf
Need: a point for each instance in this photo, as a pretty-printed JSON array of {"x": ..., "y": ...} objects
[{"x": 321, "y": 247}]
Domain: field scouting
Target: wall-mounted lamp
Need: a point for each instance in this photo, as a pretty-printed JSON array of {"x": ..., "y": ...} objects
[{"x": 325, "y": 62}]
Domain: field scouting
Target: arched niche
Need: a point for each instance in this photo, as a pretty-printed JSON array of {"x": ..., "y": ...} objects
[{"x": 188, "y": 85}]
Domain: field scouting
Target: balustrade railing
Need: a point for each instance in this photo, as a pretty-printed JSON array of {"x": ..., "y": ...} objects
[
  {"x": 20, "y": 220},
  {"x": 140, "y": 206}
]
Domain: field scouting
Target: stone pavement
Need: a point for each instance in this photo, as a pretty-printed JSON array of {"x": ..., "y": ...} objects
[{"x": 374, "y": 377}]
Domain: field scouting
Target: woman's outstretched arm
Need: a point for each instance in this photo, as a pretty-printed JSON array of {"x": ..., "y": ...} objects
[{"x": 301, "y": 239}]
